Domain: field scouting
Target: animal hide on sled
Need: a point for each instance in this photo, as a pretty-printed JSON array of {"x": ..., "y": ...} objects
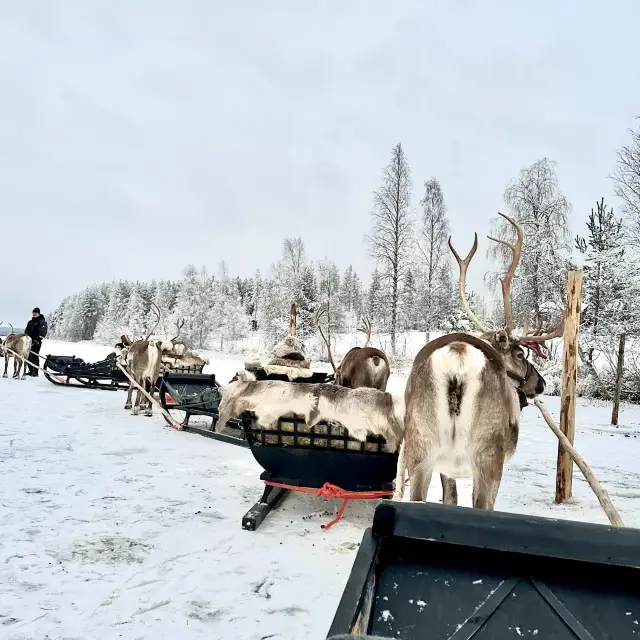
[{"x": 361, "y": 411}]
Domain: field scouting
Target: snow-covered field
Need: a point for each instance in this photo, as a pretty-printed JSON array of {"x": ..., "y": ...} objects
[{"x": 116, "y": 526}]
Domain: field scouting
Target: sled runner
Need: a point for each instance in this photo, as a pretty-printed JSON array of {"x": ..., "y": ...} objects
[
  {"x": 94, "y": 375},
  {"x": 322, "y": 459},
  {"x": 427, "y": 570}
]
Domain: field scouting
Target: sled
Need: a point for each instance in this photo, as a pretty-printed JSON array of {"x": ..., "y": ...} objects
[
  {"x": 184, "y": 395},
  {"x": 103, "y": 374},
  {"x": 322, "y": 459},
  {"x": 425, "y": 570}
]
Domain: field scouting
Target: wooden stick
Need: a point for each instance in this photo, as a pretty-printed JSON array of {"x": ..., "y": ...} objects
[
  {"x": 37, "y": 366},
  {"x": 601, "y": 494},
  {"x": 564, "y": 470},
  {"x": 174, "y": 424}
]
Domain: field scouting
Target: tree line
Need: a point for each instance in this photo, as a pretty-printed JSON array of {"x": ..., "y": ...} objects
[{"x": 413, "y": 286}]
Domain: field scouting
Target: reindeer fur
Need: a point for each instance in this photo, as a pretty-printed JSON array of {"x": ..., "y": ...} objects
[
  {"x": 19, "y": 343},
  {"x": 360, "y": 411},
  {"x": 364, "y": 367},
  {"x": 462, "y": 418},
  {"x": 143, "y": 364}
]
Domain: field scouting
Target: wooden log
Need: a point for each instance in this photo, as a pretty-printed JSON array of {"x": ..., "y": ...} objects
[
  {"x": 564, "y": 469},
  {"x": 619, "y": 372},
  {"x": 166, "y": 414},
  {"x": 601, "y": 494}
]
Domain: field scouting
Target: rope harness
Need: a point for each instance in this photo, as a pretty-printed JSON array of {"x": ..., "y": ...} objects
[{"x": 328, "y": 490}]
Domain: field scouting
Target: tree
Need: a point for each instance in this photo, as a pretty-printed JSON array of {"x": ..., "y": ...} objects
[
  {"x": 329, "y": 297},
  {"x": 626, "y": 179},
  {"x": 391, "y": 237},
  {"x": 432, "y": 245},
  {"x": 535, "y": 201},
  {"x": 602, "y": 248},
  {"x": 408, "y": 303},
  {"x": 194, "y": 305}
]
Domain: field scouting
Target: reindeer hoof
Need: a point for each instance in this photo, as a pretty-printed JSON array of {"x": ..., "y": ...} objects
[
  {"x": 127, "y": 407},
  {"x": 135, "y": 412},
  {"x": 148, "y": 414},
  {"x": 5, "y": 376}
]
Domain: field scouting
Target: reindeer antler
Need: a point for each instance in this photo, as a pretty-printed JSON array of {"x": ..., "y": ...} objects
[
  {"x": 366, "y": 329},
  {"x": 319, "y": 314},
  {"x": 538, "y": 337},
  {"x": 12, "y": 329},
  {"x": 505, "y": 282},
  {"x": 464, "y": 264},
  {"x": 179, "y": 326},
  {"x": 155, "y": 307}
]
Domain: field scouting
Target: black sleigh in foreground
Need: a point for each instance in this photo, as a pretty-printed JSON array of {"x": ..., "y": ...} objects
[{"x": 429, "y": 571}]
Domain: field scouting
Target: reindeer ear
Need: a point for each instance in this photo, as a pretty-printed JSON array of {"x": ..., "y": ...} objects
[{"x": 501, "y": 340}]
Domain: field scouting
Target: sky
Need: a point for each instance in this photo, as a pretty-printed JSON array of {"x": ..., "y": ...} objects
[{"x": 139, "y": 136}]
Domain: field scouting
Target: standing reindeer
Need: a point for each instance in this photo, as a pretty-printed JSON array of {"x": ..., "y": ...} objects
[
  {"x": 19, "y": 343},
  {"x": 143, "y": 359},
  {"x": 362, "y": 366},
  {"x": 464, "y": 396}
]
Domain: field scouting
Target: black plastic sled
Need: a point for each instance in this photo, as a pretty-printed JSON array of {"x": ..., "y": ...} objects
[
  {"x": 294, "y": 454},
  {"x": 184, "y": 395},
  {"x": 440, "y": 572},
  {"x": 103, "y": 374}
]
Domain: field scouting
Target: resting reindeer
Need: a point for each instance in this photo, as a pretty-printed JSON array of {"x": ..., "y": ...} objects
[
  {"x": 19, "y": 343},
  {"x": 463, "y": 400},
  {"x": 361, "y": 411},
  {"x": 361, "y": 366}
]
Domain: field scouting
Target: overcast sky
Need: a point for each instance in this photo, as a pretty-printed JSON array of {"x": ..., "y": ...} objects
[{"x": 139, "y": 136}]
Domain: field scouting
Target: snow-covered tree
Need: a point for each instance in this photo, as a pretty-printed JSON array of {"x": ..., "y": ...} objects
[
  {"x": 194, "y": 305},
  {"x": 534, "y": 199},
  {"x": 434, "y": 253},
  {"x": 391, "y": 237},
  {"x": 626, "y": 179}
]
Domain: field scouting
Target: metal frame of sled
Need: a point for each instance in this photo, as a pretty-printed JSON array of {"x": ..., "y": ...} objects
[
  {"x": 429, "y": 570},
  {"x": 197, "y": 395}
]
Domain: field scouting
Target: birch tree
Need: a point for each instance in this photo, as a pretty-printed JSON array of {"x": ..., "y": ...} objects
[
  {"x": 534, "y": 199},
  {"x": 626, "y": 180},
  {"x": 391, "y": 237}
]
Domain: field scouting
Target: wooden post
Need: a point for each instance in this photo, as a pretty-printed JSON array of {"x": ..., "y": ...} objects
[
  {"x": 569, "y": 384},
  {"x": 616, "y": 397}
]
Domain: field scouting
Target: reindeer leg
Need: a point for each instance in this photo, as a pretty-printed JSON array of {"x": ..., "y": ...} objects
[
  {"x": 127, "y": 404},
  {"x": 398, "y": 492},
  {"x": 6, "y": 366},
  {"x": 420, "y": 472},
  {"x": 449, "y": 490},
  {"x": 136, "y": 407},
  {"x": 486, "y": 479},
  {"x": 16, "y": 367},
  {"x": 149, "y": 387}
]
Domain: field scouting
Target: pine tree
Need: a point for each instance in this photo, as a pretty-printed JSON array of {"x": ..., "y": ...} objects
[{"x": 194, "y": 305}]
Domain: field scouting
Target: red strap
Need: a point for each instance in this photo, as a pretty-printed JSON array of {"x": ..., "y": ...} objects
[{"x": 328, "y": 490}]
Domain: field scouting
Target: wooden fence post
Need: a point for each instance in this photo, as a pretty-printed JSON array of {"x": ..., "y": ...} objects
[
  {"x": 616, "y": 397},
  {"x": 569, "y": 384}
]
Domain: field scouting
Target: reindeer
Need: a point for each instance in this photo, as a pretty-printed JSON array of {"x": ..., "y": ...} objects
[
  {"x": 19, "y": 343},
  {"x": 362, "y": 366},
  {"x": 464, "y": 396},
  {"x": 143, "y": 358},
  {"x": 178, "y": 348}
]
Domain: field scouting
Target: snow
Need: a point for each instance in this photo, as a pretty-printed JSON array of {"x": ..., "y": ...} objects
[{"x": 118, "y": 526}]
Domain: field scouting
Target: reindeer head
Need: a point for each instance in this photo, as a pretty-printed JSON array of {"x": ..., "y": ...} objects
[{"x": 524, "y": 375}]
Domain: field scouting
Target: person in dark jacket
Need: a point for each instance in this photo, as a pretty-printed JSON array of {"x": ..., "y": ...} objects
[{"x": 36, "y": 330}]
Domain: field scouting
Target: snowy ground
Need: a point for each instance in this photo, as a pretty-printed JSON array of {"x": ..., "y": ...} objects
[{"x": 116, "y": 526}]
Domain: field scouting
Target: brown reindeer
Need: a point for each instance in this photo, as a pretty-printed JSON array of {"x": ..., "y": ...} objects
[
  {"x": 464, "y": 396},
  {"x": 20, "y": 344},
  {"x": 361, "y": 366},
  {"x": 143, "y": 359}
]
